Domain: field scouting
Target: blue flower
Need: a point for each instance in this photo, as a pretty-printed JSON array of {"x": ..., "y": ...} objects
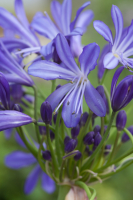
[
  {"x": 79, "y": 84},
  {"x": 62, "y": 16},
  {"x": 19, "y": 159},
  {"x": 12, "y": 26},
  {"x": 122, "y": 43}
]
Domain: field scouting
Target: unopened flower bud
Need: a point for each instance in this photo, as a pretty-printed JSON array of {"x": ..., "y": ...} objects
[
  {"x": 66, "y": 140},
  {"x": 125, "y": 137},
  {"x": 97, "y": 128},
  {"x": 71, "y": 145},
  {"x": 46, "y": 155},
  {"x": 97, "y": 139},
  {"x": 46, "y": 112},
  {"x": 107, "y": 149},
  {"x": 75, "y": 131},
  {"x": 77, "y": 156},
  {"x": 89, "y": 138},
  {"x": 121, "y": 120}
]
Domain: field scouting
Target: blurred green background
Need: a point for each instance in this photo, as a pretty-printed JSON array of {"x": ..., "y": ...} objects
[{"x": 120, "y": 186}]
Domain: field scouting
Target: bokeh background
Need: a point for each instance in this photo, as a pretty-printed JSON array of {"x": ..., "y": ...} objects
[{"x": 120, "y": 186}]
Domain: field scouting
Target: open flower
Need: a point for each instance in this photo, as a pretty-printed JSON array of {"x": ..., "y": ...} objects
[
  {"x": 19, "y": 159},
  {"x": 121, "y": 45},
  {"x": 79, "y": 85},
  {"x": 61, "y": 13}
]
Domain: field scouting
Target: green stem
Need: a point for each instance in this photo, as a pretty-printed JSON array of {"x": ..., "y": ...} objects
[
  {"x": 129, "y": 134},
  {"x": 35, "y": 114},
  {"x": 52, "y": 151},
  {"x": 63, "y": 191},
  {"x": 28, "y": 137},
  {"x": 57, "y": 142},
  {"x": 53, "y": 86},
  {"x": 27, "y": 103},
  {"x": 61, "y": 170},
  {"x": 104, "y": 75},
  {"x": 39, "y": 156},
  {"x": 114, "y": 147},
  {"x": 43, "y": 124},
  {"x": 84, "y": 187},
  {"x": 29, "y": 147},
  {"x": 102, "y": 126},
  {"x": 86, "y": 165},
  {"x": 108, "y": 98}
]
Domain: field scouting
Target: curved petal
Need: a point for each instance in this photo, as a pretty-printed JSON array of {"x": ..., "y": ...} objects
[
  {"x": 19, "y": 159},
  {"x": 114, "y": 81},
  {"x": 32, "y": 180},
  {"x": 103, "y": 30},
  {"x": 78, "y": 13},
  {"x": 118, "y": 23},
  {"x": 110, "y": 61},
  {"x": 68, "y": 111},
  {"x": 58, "y": 94},
  {"x": 127, "y": 40},
  {"x": 47, "y": 50},
  {"x": 19, "y": 140},
  {"x": 66, "y": 12},
  {"x": 65, "y": 54},
  {"x": 20, "y": 12},
  {"x": 88, "y": 58},
  {"x": 94, "y": 100},
  {"x": 56, "y": 13},
  {"x": 14, "y": 119},
  {"x": 49, "y": 71},
  {"x": 128, "y": 53},
  {"x": 48, "y": 184},
  {"x": 76, "y": 31},
  {"x": 8, "y": 133}
]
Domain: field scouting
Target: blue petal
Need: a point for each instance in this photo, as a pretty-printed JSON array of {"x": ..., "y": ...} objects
[
  {"x": 127, "y": 41},
  {"x": 19, "y": 140},
  {"x": 118, "y": 23},
  {"x": 18, "y": 159},
  {"x": 66, "y": 12},
  {"x": 68, "y": 111},
  {"x": 104, "y": 30},
  {"x": 78, "y": 13},
  {"x": 49, "y": 71},
  {"x": 128, "y": 52},
  {"x": 114, "y": 81},
  {"x": 7, "y": 133},
  {"x": 56, "y": 13},
  {"x": 94, "y": 100},
  {"x": 88, "y": 58},
  {"x": 76, "y": 31},
  {"x": 14, "y": 119},
  {"x": 32, "y": 180},
  {"x": 48, "y": 184},
  {"x": 20, "y": 12},
  {"x": 65, "y": 54},
  {"x": 55, "y": 98},
  {"x": 110, "y": 61},
  {"x": 47, "y": 50}
]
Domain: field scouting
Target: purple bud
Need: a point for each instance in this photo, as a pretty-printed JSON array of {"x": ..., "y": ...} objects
[
  {"x": 125, "y": 137},
  {"x": 52, "y": 135},
  {"x": 46, "y": 112},
  {"x": 66, "y": 140},
  {"x": 75, "y": 131},
  {"x": 77, "y": 156},
  {"x": 123, "y": 93},
  {"x": 121, "y": 120},
  {"x": 88, "y": 139},
  {"x": 71, "y": 145},
  {"x": 97, "y": 139},
  {"x": 87, "y": 150},
  {"x": 97, "y": 128},
  {"x": 46, "y": 155},
  {"x": 83, "y": 119},
  {"x": 107, "y": 148},
  {"x": 4, "y": 92}
]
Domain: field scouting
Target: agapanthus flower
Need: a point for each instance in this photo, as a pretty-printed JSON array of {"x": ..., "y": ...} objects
[
  {"x": 62, "y": 15},
  {"x": 79, "y": 84},
  {"x": 121, "y": 45},
  {"x": 12, "y": 26},
  {"x": 13, "y": 72},
  {"x": 20, "y": 159},
  {"x": 123, "y": 93}
]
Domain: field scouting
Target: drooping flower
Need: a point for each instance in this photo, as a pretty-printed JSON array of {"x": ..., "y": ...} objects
[
  {"x": 123, "y": 93},
  {"x": 121, "y": 45},
  {"x": 13, "y": 72},
  {"x": 61, "y": 13},
  {"x": 20, "y": 26},
  {"x": 20, "y": 159},
  {"x": 79, "y": 85}
]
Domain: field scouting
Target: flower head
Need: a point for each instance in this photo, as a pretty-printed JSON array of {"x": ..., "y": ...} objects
[
  {"x": 121, "y": 45},
  {"x": 79, "y": 85}
]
